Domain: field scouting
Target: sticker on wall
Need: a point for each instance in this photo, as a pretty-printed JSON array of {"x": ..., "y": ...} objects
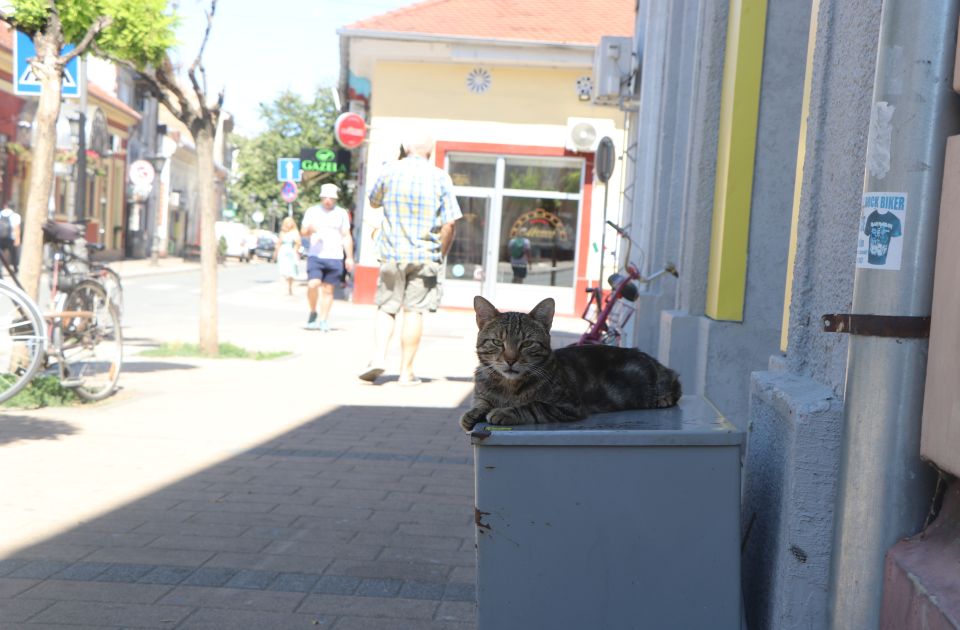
[
  {"x": 478, "y": 80},
  {"x": 880, "y": 239}
]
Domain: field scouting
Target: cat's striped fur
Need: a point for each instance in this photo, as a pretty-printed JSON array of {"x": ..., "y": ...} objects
[{"x": 520, "y": 380}]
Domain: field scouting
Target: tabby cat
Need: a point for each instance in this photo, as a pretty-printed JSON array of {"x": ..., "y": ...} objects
[{"x": 520, "y": 380}]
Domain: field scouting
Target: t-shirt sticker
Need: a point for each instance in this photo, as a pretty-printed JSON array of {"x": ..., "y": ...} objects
[{"x": 880, "y": 240}]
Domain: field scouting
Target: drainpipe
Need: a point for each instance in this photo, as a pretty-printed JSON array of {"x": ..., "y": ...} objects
[{"x": 885, "y": 489}]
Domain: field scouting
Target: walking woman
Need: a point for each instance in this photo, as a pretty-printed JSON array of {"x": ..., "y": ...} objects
[{"x": 285, "y": 254}]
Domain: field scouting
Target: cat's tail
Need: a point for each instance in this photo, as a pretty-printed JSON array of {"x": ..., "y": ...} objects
[{"x": 669, "y": 388}]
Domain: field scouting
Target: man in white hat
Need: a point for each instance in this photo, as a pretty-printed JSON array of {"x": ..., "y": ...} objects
[{"x": 327, "y": 225}]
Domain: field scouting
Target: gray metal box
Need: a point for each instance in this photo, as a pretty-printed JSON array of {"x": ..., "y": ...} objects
[{"x": 626, "y": 520}]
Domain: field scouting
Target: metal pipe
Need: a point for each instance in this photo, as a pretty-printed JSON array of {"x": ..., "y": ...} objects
[{"x": 885, "y": 488}]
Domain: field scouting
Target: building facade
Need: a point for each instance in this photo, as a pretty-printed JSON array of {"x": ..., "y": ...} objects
[
  {"x": 772, "y": 130},
  {"x": 502, "y": 98}
]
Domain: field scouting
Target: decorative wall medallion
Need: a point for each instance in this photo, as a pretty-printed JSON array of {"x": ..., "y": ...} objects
[
  {"x": 584, "y": 87},
  {"x": 478, "y": 81}
]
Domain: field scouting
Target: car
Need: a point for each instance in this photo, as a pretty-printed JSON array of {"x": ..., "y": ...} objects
[
  {"x": 235, "y": 239},
  {"x": 266, "y": 245}
]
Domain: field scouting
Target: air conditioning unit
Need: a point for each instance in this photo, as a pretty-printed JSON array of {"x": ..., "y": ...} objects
[
  {"x": 612, "y": 67},
  {"x": 584, "y": 134}
]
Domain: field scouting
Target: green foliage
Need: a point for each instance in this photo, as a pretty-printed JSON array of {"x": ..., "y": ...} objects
[
  {"x": 227, "y": 351},
  {"x": 43, "y": 391},
  {"x": 141, "y": 31},
  {"x": 291, "y": 123}
]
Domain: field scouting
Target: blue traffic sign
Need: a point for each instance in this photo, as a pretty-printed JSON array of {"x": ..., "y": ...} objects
[
  {"x": 288, "y": 192},
  {"x": 288, "y": 170},
  {"x": 26, "y": 82}
]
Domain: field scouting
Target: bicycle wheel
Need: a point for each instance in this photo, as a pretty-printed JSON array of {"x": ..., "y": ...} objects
[
  {"x": 89, "y": 341},
  {"x": 110, "y": 280},
  {"x": 22, "y": 340}
]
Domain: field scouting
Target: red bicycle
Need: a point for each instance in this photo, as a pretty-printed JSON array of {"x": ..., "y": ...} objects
[{"x": 608, "y": 317}]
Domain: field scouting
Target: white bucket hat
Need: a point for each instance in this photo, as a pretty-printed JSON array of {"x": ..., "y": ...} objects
[{"x": 329, "y": 190}]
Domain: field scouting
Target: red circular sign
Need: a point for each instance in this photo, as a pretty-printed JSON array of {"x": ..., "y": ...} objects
[{"x": 350, "y": 130}]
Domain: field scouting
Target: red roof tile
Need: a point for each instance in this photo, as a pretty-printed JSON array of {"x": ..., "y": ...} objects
[{"x": 558, "y": 21}]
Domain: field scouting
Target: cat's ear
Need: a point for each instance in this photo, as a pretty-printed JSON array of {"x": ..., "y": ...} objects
[
  {"x": 486, "y": 312},
  {"x": 543, "y": 313}
]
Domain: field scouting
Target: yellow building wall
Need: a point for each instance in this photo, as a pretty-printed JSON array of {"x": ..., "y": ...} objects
[{"x": 520, "y": 95}]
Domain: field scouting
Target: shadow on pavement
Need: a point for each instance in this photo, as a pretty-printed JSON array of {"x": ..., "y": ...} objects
[
  {"x": 361, "y": 516},
  {"x": 16, "y": 428},
  {"x": 141, "y": 367}
]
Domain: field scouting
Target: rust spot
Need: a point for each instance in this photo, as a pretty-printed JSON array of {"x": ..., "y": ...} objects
[
  {"x": 479, "y": 435},
  {"x": 478, "y": 518}
]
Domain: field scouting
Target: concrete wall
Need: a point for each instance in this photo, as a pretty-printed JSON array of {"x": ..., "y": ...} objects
[
  {"x": 796, "y": 410},
  {"x": 716, "y": 358}
]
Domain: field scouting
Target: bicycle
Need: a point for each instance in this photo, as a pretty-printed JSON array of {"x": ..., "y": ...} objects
[
  {"x": 81, "y": 339},
  {"x": 63, "y": 238},
  {"x": 608, "y": 318}
]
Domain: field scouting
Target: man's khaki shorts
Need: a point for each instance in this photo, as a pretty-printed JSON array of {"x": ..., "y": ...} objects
[{"x": 411, "y": 286}]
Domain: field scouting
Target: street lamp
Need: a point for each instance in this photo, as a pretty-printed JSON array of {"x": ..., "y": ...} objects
[{"x": 78, "y": 123}]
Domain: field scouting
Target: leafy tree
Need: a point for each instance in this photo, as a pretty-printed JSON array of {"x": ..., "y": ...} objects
[
  {"x": 201, "y": 115},
  {"x": 136, "y": 30},
  {"x": 291, "y": 123}
]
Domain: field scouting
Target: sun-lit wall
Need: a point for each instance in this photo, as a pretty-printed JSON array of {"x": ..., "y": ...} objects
[{"x": 523, "y": 106}]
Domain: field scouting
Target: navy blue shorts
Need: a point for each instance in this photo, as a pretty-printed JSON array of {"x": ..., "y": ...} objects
[{"x": 326, "y": 270}]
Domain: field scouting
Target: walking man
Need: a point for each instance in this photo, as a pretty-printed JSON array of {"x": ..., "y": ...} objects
[
  {"x": 419, "y": 215},
  {"x": 327, "y": 226},
  {"x": 10, "y": 238}
]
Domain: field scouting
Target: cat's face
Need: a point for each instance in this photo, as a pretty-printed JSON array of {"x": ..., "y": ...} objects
[{"x": 513, "y": 344}]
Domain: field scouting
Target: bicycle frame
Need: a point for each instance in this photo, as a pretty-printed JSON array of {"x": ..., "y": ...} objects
[{"x": 600, "y": 331}]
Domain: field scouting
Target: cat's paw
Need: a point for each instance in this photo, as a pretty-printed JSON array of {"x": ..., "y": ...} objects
[
  {"x": 469, "y": 419},
  {"x": 504, "y": 416}
]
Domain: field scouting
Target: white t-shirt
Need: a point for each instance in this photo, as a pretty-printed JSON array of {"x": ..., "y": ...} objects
[
  {"x": 330, "y": 227},
  {"x": 14, "y": 217}
]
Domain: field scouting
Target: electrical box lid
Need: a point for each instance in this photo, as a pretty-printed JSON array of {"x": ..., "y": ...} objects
[{"x": 693, "y": 422}]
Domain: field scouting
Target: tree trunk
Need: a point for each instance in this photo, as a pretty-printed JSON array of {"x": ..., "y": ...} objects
[
  {"x": 203, "y": 134},
  {"x": 41, "y": 162}
]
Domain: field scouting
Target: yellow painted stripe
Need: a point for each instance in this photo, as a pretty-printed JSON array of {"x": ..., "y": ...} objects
[
  {"x": 798, "y": 178},
  {"x": 739, "y": 109}
]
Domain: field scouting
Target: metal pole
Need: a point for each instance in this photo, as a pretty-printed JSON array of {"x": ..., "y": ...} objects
[
  {"x": 885, "y": 489},
  {"x": 603, "y": 239},
  {"x": 289, "y": 209},
  {"x": 81, "y": 192}
]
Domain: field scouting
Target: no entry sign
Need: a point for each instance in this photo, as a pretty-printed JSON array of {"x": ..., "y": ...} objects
[{"x": 350, "y": 130}]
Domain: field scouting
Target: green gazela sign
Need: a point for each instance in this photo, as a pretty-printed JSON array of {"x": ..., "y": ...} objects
[{"x": 320, "y": 161}]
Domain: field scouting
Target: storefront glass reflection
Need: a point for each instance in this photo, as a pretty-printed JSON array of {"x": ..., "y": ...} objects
[{"x": 550, "y": 226}]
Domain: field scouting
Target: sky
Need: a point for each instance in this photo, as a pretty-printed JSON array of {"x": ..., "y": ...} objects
[{"x": 257, "y": 49}]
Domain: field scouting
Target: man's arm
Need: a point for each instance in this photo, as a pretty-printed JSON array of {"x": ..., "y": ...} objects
[
  {"x": 348, "y": 248},
  {"x": 447, "y": 232}
]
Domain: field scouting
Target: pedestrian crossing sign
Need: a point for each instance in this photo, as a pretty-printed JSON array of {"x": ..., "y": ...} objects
[{"x": 27, "y": 82}]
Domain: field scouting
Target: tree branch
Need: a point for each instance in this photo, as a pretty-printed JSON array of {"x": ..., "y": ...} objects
[
  {"x": 206, "y": 35},
  {"x": 155, "y": 85},
  {"x": 95, "y": 29}
]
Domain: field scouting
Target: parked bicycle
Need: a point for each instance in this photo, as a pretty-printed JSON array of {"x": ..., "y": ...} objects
[
  {"x": 76, "y": 257},
  {"x": 80, "y": 341},
  {"x": 608, "y": 317}
]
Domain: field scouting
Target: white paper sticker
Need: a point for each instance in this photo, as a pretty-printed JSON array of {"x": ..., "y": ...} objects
[{"x": 880, "y": 239}]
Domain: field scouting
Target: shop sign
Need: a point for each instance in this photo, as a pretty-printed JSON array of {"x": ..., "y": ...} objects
[{"x": 324, "y": 160}]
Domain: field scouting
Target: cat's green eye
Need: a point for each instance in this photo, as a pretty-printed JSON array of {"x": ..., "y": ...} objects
[
  {"x": 496, "y": 343},
  {"x": 529, "y": 345}
]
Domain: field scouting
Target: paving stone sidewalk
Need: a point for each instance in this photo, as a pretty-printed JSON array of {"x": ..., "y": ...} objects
[
  {"x": 233, "y": 494},
  {"x": 360, "y": 518}
]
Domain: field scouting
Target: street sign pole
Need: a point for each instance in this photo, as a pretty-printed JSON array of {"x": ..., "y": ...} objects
[{"x": 289, "y": 209}]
